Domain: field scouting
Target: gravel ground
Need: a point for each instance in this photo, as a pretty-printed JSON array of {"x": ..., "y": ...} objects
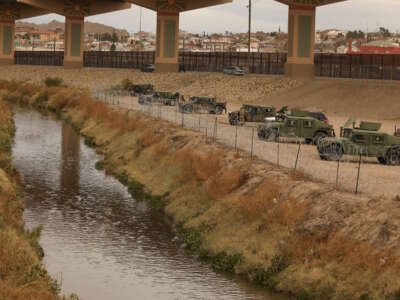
[
  {"x": 226, "y": 88},
  {"x": 375, "y": 179}
]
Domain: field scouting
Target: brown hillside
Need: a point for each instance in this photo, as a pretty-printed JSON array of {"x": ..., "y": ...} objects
[{"x": 89, "y": 27}]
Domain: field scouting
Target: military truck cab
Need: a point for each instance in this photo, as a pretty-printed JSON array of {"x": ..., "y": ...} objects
[
  {"x": 137, "y": 90},
  {"x": 202, "y": 104},
  {"x": 166, "y": 98},
  {"x": 365, "y": 140},
  {"x": 251, "y": 113},
  {"x": 296, "y": 125}
]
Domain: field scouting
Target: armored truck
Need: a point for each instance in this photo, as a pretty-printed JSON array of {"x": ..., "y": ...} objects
[
  {"x": 137, "y": 90},
  {"x": 365, "y": 140},
  {"x": 202, "y": 104},
  {"x": 251, "y": 113},
  {"x": 165, "y": 98},
  {"x": 298, "y": 124}
]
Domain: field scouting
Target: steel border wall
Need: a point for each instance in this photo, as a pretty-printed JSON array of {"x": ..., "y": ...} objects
[{"x": 364, "y": 66}]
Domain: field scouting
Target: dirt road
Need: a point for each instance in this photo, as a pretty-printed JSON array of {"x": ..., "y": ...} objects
[{"x": 375, "y": 179}]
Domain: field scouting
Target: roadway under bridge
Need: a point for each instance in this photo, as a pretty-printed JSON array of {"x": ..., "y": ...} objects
[{"x": 301, "y": 28}]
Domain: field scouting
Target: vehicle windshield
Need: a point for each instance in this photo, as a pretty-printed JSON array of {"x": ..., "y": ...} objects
[{"x": 347, "y": 133}]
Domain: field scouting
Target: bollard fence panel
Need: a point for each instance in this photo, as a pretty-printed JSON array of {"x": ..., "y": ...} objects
[{"x": 363, "y": 66}]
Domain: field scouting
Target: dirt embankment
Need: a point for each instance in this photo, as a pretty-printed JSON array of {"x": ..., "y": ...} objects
[
  {"x": 339, "y": 99},
  {"x": 22, "y": 274},
  {"x": 280, "y": 229}
]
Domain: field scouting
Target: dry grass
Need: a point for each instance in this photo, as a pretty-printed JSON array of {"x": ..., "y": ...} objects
[
  {"x": 228, "y": 180},
  {"x": 267, "y": 202},
  {"x": 150, "y": 137},
  {"x": 334, "y": 247},
  {"x": 258, "y": 201},
  {"x": 200, "y": 166}
]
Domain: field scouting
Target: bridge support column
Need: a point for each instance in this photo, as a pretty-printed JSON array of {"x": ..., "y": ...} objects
[
  {"x": 167, "y": 42},
  {"x": 300, "y": 59},
  {"x": 7, "y": 29},
  {"x": 73, "y": 43}
]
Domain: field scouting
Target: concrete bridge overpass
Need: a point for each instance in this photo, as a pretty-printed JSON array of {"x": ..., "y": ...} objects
[{"x": 301, "y": 27}]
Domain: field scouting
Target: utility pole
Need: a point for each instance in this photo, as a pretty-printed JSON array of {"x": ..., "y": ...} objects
[
  {"x": 140, "y": 22},
  {"x": 140, "y": 29},
  {"x": 249, "y": 41}
]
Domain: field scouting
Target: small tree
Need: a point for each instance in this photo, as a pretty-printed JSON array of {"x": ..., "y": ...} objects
[
  {"x": 114, "y": 37},
  {"x": 384, "y": 32}
]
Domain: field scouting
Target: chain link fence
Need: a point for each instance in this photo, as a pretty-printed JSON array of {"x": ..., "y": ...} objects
[{"x": 355, "y": 173}]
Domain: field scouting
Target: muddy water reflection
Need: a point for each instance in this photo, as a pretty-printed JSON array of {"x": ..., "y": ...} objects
[{"x": 98, "y": 241}]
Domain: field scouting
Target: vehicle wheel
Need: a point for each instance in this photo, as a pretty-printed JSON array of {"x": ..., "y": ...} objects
[
  {"x": 392, "y": 157},
  {"x": 261, "y": 134},
  {"x": 331, "y": 152},
  {"x": 318, "y": 137},
  {"x": 212, "y": 112},
  {"x": 271, "y": 134},
  {"x": 309, "y": 141},
  {"x": 188, "y": 109},
  {"x": 382, "y": 160}
]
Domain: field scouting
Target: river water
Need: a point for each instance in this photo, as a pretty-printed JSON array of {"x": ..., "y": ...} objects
[{"x": 99, "y": 242}]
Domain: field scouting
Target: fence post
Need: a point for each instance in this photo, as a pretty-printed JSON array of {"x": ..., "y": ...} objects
[
  {"x": 358, "y": 174},
  {"x": 277, "y": 162},
  {"x": 252, "y": 143},
  {"x": 391, "y": 70},
  {"x": 337, "y": 173},
  {"x": 236, "y": 136},
  {"x": 215, "y": 129},
  {"x": 199, "y": 122},
  {"x": 297, "y": 157}
]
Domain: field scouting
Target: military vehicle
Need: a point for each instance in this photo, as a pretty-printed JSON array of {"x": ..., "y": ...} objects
[
  {"x": 145, "y": 99},
  {"x": 297, "y": 124},
  {"x": 202, "y": 104},
  {"x": 251, "y": 113},
  {"x": 140, "y": 89},
  {"x": 365, "y": 140},
  {"x": 233, "y": 70},
  {"x": 147, "y": 68},
  {"x": 165, "y": 98}
]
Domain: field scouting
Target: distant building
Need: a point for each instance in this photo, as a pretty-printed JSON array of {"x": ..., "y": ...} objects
[
  {"x": 380, "y": 47},
  {"x": 22, "y": 30},
  {"x": 45, "y": 35}
]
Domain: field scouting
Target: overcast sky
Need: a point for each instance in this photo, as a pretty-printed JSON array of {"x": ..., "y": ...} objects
[{"x": 268, "y": 15}]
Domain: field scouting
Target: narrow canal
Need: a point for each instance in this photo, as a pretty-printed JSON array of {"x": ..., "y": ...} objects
[{"x": 99, "y": 242}]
